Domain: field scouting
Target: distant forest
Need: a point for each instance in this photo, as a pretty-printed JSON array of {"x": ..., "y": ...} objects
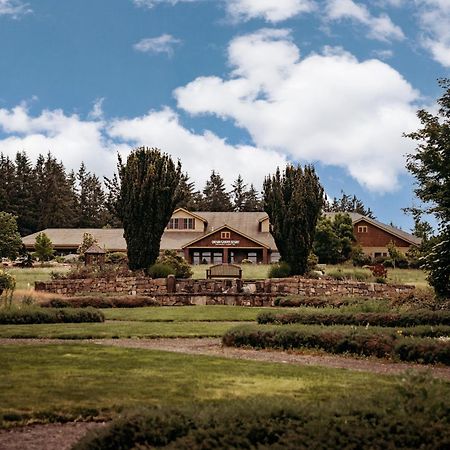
[{"x": 46, "y": 195}]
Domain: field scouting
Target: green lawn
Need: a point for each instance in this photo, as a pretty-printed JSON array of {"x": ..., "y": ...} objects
[
  {"x": 25, "y": 278},
  {"x": 116, "y": 329},
  {"x": 189, "y": 314},
  {"x": 74, "y": 380}
]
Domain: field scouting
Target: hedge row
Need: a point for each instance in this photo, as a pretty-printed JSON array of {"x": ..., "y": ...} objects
[
  {"x": 125, "y": 301},
  {"x": 335, "y": 340},
  {"x": 23, "y": 316},
  {"x": 419, "y": 418},
  {"x": 405, "y": 319}
]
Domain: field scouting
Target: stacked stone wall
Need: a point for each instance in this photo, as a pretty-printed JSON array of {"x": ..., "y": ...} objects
[{"x": 237, "y": 291}]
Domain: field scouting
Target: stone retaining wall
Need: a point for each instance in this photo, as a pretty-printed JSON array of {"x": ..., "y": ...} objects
[{"x": 274, "y": 287}]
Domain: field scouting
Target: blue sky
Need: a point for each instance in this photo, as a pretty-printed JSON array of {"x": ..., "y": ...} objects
[{"x": 239, "y": 86}]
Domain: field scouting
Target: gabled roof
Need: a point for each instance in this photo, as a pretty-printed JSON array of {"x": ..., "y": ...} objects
[
  {"x": 356, "y": 217},
  {"x": 228, "y": 228},
  {"x": 95, "y": 250},
  {"x": 190, "y": 214}
]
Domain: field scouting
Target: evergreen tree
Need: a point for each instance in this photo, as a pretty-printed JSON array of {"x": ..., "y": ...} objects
[
  {"x": 7, "y": 175},
  {"x": 91, "y": 200},
  {"x": 293, "y": 201},
  {"x": 252, "y": 200},
  {"x": 430, "y": 165},
  {"x": 111, "y": 201},
  {"x": 215, "y": 196},
  {"x": 349, "y": 204},
  {"x": 43, "y": 247},
  {"x": 148, "y": 196},
  {"x": 23, "y": 195},
  {"x": 239, "y": 194},
  {"x": 56, "y": 193},
  {"x": 10, "y": 240},
  {"x": 191, "y": 199}
]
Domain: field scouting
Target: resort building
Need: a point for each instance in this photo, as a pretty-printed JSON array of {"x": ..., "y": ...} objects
[{"x": 225, "y": 237}]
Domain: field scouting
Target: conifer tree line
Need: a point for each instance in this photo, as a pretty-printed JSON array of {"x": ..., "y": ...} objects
[{"x": 46, "y": 195}]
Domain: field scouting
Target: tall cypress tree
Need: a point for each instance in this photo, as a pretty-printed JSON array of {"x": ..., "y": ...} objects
[
  {"x": 148, "y": 196},
  {"x": 293, "y": 201},
  {"x": 215, "y": 196}
]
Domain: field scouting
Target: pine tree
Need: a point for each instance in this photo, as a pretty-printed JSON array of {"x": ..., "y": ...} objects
[
  {"x": 191, "y": 199},
  {"x": 111, "y": 201},
  {"x": 293, "y": 201},
  {"x": 56, "y": 193},
  {"x": 148, "y": 196},
  {"x": 23, "y": 195},
  {"x": 349, "y": 204},
  {"x": 215, "y": 196},
  {"x": 7, "y": 176},
  {"x": 239, "y": 194},
  {"x": 252, "y": 200}
]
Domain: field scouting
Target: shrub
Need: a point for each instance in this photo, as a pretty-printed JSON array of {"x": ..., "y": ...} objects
[
  {"x": 15, "y": 316},
  {"x": 361, "y": 275},
  {"x": 160, "y": 270},
  {"x": 337, "y": 340},
  {"x": 279, "y": 270},
  {"x": 7, "y": 286},
  {"x": 116, "y": 258},
  {"x": 181, "y": 267},
  {"x": 413, "y": 415},
  {"x": 359, "y": 258},
  {"x": 337, "y": 274},
  {"x": 406, "y": 319},
  {"x": 379, "y": 271},
  {"x": 126, "y": 301}
]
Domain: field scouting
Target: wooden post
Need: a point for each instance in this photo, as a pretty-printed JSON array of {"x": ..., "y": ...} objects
[
  {"x": 265, "y": 256},
  {"x": 225, "y": 256},
  {"x": 186, "y": 255}
]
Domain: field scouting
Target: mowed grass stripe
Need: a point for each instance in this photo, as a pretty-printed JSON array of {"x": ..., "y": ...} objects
[
  {"x": 117, "y": 329},
  {"x": 70, "y": 379}
]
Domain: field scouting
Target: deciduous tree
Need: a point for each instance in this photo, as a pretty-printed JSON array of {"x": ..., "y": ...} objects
[
  {"x": 10, "y": 240},
  {"x": 430, "y": 165}
]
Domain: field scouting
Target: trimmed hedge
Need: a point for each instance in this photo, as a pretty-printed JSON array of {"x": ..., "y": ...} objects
[
  {"x": 380, "y": 343},
  {"x": 405, "y": 319},
  {"x": 13, "y": 316},
  {"x": 418, "y": 417},
  {"x": 126, "y": 301}
]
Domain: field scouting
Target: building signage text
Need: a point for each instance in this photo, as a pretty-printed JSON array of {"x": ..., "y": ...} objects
[{"x": 226, "y": 242}]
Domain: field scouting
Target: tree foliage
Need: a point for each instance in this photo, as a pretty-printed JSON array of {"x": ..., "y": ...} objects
[
  {"x": 43, "y": 247},
  {"x": 430, "y": 165},
  {"x": 215, "y": 196},
  {"x": 348, "y": 204},
  {"x": 10, "y": 240},
  {"x": 293, "y": 201},
  {"x": 148, "y": 196}
]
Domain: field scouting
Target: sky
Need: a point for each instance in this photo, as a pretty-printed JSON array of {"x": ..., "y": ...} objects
[{"x": 237, "y": 86}]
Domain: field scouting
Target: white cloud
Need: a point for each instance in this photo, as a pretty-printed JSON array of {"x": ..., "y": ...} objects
[
  {"x": 269, "y": 10},
  {"x": 434, "y": 19},
  {"x": 326, "y": 107},
  {"x": 14, "y": 8},
  {"x": 96, "y": 142},
  {"x": 160, "y": 44},
  {"x": 97, "y": 109},
  {"x": 151, "y": 3},
  {"x": 383, "y": 54},
  {"x": 381, "y": 28}
]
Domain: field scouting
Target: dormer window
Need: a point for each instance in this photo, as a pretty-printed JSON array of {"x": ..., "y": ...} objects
[
  {"x": 225, "y": 235},
  {"x": 362, "y": 229},
  {"x": 178, "y": 223}
]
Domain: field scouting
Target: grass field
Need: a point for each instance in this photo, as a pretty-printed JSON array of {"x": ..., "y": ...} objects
[
  {"x": 25, "y": 278},
  {"x": 74, "y": 380}
]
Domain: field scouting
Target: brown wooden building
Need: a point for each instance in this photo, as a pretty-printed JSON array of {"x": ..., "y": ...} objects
[{"x": 226, "y": 237}]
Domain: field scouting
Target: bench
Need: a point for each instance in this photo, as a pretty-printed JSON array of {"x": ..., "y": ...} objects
[{"x": 224, "y": 271}]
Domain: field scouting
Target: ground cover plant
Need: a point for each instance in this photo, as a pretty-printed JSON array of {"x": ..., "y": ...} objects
[
  {"x": 36, "y": 315},
  {"x": 382, "y": 343},
  {"x": 87, "y": 381},
  {"x": 415, "y": 415},
  {"x": 384, "y": 319}
]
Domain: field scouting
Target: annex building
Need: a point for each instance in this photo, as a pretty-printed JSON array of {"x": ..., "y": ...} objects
[{"x": 224, "y": 237}]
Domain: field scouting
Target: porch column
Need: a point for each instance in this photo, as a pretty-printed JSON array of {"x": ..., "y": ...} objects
[
  {"x": 186, "y": 255},
  {"x": 225, "y": 256},
  {"x": 265, "y": 256}
]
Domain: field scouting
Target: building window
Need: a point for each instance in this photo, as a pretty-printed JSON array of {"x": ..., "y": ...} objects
[
  {"x": 362, "y": 229},
  {"x": 217, "y": 258},
  {"x": 181, "y": 224},
  {"x": 253, "y": 257},
  {"x": 225, "y": 235}
]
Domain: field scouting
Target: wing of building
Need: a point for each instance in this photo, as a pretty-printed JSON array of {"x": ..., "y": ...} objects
[{"x": 216, "y": 237}]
